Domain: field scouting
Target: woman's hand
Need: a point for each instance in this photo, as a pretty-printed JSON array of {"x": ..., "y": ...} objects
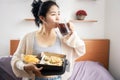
[
  {"x": 34, "y": 69},
  {"x": 71, "y": 27}
]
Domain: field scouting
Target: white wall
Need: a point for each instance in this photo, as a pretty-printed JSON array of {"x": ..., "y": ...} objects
[
  {"x": 112, "y": 31},
  {"x": 12, "y": 24}
]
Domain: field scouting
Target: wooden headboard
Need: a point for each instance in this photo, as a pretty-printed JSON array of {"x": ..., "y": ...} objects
[{"x": 96, "y": 50}]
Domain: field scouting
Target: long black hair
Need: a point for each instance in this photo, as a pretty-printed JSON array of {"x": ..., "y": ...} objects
[{"x": 40, "y": 8}]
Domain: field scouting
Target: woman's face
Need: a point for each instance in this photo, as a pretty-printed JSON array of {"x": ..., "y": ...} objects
[{"x": 52, "y": 17}]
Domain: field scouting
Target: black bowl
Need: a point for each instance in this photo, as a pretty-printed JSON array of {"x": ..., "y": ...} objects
[{"x": 52, "y": 69}]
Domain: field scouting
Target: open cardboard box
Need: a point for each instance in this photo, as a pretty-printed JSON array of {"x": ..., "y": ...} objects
[{"x": 49, "y": 69}]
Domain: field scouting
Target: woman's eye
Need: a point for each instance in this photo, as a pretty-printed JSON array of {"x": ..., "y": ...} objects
[{"x": 53, "y": 14}]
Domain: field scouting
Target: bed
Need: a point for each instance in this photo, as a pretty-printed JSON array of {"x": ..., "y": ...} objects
[{"x": 95, "y": 60}]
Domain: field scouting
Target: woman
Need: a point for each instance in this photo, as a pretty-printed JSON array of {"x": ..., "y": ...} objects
[{"x": 46, "y": 38}]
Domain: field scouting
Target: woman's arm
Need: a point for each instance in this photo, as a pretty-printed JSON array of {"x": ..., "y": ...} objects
[
  {"x": 73, "y": 40},
  {"x": 17, "y": 62}
]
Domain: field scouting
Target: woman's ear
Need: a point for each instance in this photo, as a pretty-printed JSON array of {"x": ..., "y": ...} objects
[{"x": 42, "y": 18}]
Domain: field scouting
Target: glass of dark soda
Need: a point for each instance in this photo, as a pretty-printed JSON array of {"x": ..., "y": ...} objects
[{"x": 63, "y": 27}]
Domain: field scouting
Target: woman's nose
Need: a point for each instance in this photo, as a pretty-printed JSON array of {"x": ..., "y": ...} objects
[{"x": 58, "y": 17}]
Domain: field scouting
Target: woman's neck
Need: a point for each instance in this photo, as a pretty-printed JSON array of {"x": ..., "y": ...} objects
[
  {"x": 46, "y": 37},
  {"x": 46, "y": 32}
]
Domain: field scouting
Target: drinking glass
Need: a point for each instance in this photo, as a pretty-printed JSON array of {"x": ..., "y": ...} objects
[{"x": 63, "y": 28}]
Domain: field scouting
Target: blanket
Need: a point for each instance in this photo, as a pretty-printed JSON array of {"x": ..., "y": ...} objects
[
  {"x": 89, "y": 70},
  {"x": 6, "y": 72}
]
